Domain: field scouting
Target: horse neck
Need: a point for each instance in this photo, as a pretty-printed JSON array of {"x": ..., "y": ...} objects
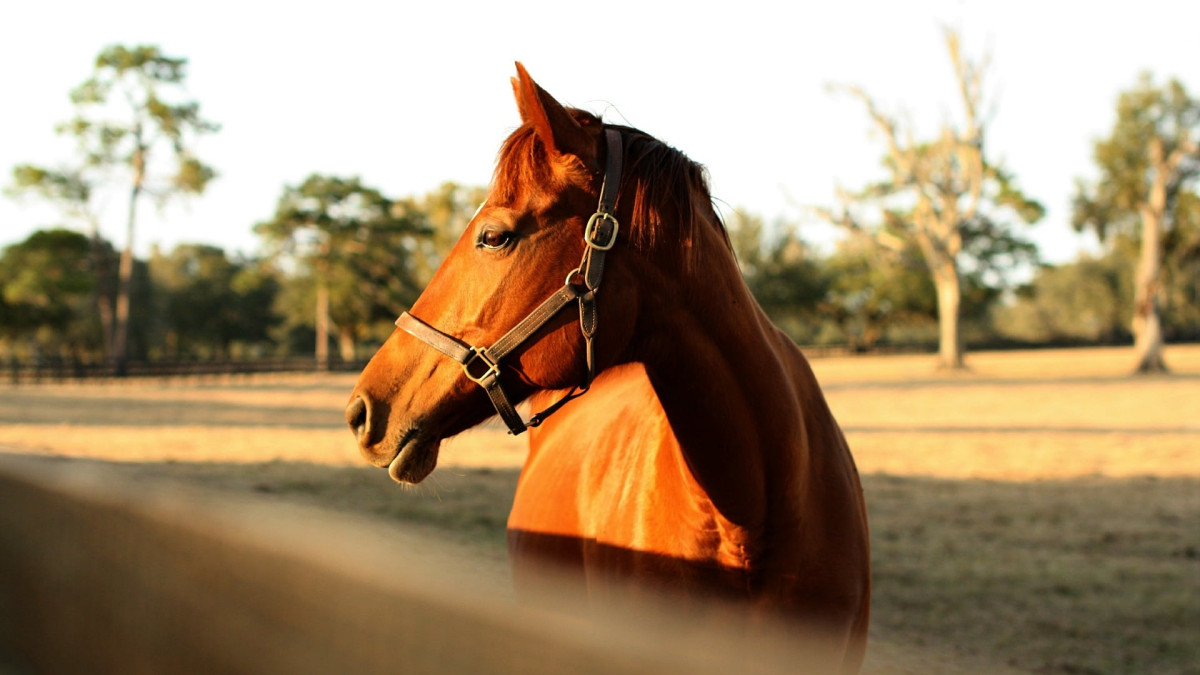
[{"x": 739, "y": 396}]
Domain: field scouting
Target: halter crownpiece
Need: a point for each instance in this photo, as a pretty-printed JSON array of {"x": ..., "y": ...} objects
[{"x": 482, "y": 365}]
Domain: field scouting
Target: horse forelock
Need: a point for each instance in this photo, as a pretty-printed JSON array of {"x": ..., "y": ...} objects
[{"x": 666, "y": 192}]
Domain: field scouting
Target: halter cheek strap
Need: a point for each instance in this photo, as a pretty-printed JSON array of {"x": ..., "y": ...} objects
[{"x": 482, "y": 365}]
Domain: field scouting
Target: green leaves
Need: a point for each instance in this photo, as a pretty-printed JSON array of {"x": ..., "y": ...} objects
[
  {"x": 1151, "y": 119},
  {"x": 45, "y": 285},
  {"x": 364, "y": 248},
  {"x": 63, "y": 186},
  {"x": 134, "y": 104},
  {"x": 193, "y": 175},
  {"x": 146, "y": 60},
  {"x": 207, "y": 302},
  {"x": 133, "y": 123}
]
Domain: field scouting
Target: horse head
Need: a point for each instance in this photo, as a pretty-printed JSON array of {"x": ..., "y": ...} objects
[{"x": 536, "y": 245}]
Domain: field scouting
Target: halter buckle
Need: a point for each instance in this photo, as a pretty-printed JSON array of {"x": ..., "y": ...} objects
[
  {"x": 590, "y": 231},
  {"x": 492, "y": 371}
]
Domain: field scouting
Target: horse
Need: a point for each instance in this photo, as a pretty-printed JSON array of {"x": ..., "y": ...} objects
[{"x": 683, "y": 441}]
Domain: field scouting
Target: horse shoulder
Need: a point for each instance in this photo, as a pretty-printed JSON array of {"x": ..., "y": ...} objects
[{"x": 611, "y": 460}]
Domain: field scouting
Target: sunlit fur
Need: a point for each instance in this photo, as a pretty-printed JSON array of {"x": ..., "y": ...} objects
[
  {"x": 659, "y": 184},
  {"x": 703, "y": 462}
]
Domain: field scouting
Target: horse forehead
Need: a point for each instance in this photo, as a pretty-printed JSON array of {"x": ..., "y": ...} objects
[{"x": 529, "y": 197}]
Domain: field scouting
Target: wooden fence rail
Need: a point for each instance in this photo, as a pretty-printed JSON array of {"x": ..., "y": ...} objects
[
  {"x": 47, "y": 370},
  {"x": 102, "y": 576},
  {"x": 39, "y": 371}
]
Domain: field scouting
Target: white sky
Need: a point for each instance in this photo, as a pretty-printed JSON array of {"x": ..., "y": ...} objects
[{"x": 408, "y": 95}]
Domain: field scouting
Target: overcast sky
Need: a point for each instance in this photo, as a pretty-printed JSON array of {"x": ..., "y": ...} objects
[{"x": 409, "y": 95}]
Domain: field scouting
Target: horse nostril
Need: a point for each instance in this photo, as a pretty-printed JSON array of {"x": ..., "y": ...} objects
[{"x": 356, "y": 417}]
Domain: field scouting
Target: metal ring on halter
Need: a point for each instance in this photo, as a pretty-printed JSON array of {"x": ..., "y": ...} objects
[
  {"x": 590, "y": 230},
  {"x": 493, "y": 368}
]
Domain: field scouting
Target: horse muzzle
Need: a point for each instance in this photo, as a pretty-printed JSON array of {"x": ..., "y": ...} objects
[{"x": 409, "y": 455}]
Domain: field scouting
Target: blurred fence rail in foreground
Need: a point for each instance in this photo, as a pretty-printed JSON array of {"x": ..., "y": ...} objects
[{"x": 102, "y": 575}]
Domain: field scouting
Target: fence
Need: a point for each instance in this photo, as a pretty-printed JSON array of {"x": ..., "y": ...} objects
[
  {"x": 45, "y": 370},
  {"x": 63, "y": 370},
  {"x": 102, "y": 576}
]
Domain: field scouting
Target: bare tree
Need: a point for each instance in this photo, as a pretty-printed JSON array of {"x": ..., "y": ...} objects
[{"x": 942, "y": 194}]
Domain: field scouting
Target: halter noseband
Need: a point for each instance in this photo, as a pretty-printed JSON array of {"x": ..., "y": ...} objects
[{"x": 482, "y": 364}]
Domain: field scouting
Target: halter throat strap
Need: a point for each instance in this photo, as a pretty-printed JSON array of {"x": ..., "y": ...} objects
[{"x": 482, "y": 365}]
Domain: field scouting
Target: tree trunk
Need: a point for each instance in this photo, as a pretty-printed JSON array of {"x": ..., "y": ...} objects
[
  {"x": 125, "y": 271},
  {"x": 322, "y": 325},
  {"x": 120, "y": 339},
  {"x": 103, "y": 296},
  {"x": 346, "y": 344},
  {"x": 1147, "y": 325},
  {"x": 949, "y": 299}
]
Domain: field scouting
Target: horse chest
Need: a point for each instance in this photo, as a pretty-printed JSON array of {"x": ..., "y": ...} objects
[{"x": 627, "y": 507}]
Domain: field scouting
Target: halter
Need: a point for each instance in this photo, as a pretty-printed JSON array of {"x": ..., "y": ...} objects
[{"x": 482, "y": 364}]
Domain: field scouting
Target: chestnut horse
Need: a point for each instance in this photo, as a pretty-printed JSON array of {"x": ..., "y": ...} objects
[{"x": 690, "y": 446}]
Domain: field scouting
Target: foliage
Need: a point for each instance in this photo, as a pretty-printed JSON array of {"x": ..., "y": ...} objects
[
  {"x": 130, "y": 110},
  {"x": 133, "y": 126},
  {"x": 1149, "y": 167},
  {"x": 1084, "y": 301},
  {"x": 68, "y": 188},
  {"x": 872, "y": 290},
  {"x": 1146, "y": 115},
  {"x": 782, "y": 273},
  {"x": 445, "y": 211},
  {"x": 46, "y": 284},
  {"x": 1181, "y": 270},
  {"x": 208, "y": 302},
  {"x": 359, "y": 246}
]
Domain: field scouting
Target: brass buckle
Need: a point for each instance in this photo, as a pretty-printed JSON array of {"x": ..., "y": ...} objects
[
  {"x": 590, "y": 231},
  {"x": 493, "y": 367}
]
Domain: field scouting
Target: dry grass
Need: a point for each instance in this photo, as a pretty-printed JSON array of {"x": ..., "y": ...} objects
[
  {"x": 1041, "y": 512},
  {"x": 1016, "y": 416}
]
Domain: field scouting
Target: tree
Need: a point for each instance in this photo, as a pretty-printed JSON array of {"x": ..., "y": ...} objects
[
  {"x": 1149, "y": 166},
  {"x": 872, "y": 290},
  {"x": 446, "y": 212},
  {"x": 945, "y": 196},
  {"x": 786, "y": 279},
  {"x": 1181, "y": 271},
  {"x": 133, "y": 120},
  {"x": 358, "y": 246},
  {"x": 71, "y": 190},
  {"x": 45, "y": 286},
  {"x": 1080, "y": 301},
  {"x": 207, "y": 301}
]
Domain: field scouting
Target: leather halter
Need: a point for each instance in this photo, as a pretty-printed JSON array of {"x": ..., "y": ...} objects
[{"x": 482, "y": 364}]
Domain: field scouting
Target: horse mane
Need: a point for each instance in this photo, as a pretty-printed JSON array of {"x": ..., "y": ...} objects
[{"x": 669, "y": 192}]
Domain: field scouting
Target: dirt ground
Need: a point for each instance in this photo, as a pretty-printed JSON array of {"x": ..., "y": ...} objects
[
  {"x": 1040, "y": 513},
  {"x": 1014, "y": 416}
]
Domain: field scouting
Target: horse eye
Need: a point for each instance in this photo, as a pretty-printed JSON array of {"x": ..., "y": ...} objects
[{"x": 495, "y": 239}]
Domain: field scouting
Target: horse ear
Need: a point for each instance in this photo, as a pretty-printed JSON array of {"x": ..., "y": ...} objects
[{"x": 552, "y": 123}]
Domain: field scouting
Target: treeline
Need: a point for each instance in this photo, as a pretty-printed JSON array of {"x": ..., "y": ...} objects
[
  {"x": 864, "y": 296},
  {"x": 934, "y": 252},
  {"x": 199, "y": 302},
  {"x": 340, "y": 260}
]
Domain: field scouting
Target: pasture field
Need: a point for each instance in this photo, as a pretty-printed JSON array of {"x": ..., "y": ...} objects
[{"x": 1038, "y": 514}]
